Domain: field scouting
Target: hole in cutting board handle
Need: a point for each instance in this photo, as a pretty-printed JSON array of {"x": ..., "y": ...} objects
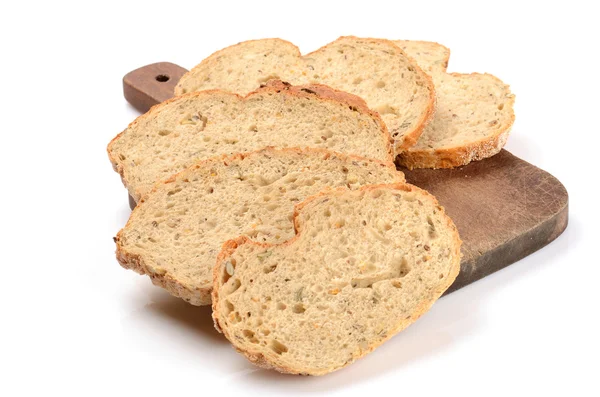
[{"x": 162, "y": 78}]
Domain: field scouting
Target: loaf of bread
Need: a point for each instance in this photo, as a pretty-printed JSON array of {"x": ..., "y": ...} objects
[
  {"x": 376, "y": 70},
  {"x": 177, "y": 230},
  {"x": 363, "y": 265},
  {"x": 473, "y": 117},
  {"x": 197, "y": 126}
]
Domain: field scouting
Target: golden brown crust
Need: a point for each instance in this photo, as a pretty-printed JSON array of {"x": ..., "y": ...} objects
[
  {"x": 456, "y": 156},
  {"x": 412, "y": 138},
  {"x": 160, "y": 278},
  {"x": 201, "y": 296},
  {"x": 273, "y": 362},
  {"x": 320, "y": 91}
]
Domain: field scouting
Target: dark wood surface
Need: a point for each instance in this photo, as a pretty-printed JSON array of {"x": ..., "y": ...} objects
[{"x": 504, "y": 207}]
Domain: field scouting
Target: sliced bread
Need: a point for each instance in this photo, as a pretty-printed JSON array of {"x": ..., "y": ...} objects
[
  {"x": 196, "y": 126},
  {"x": 374, "y": 69},
  {"x": 177, "y": 230},
  {"x": 430, "y": 56},
  {"x": 473, "y": 117},
  {"x": 363, "y": 265}
]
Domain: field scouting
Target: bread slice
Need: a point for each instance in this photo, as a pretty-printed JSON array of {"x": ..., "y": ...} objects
[
  {"x": 473, "y": 117},
  {"x": 363, "y": 265},
  {"x": 374, "y": 69},
  {"x": 197, "y": 126},
  {"x": 177, "y": 230},
  {"x": 430, "y": 56}
]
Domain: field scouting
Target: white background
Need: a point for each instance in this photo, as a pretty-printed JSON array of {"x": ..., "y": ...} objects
[{"x": 73, "y": 322}]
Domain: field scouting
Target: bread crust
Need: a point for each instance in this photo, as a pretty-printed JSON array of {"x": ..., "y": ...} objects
[
  {"x": 319, "y": 91},
  {"x": 456, "y": 156},
  {"x": 202, "y": 296},
  {"x": 410, "y": 137},
  {"x": 160, "y": 278},
  {"x": 269, "y": 361}
]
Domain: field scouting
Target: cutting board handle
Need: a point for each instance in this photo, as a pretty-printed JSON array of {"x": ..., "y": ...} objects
[{"x": 151, "y": 84}]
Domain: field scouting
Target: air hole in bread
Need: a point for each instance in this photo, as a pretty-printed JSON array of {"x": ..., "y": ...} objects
[
  {"x": 174, "y": 191},
  {"x": 501, "y": 106},
  {"x": 253, "y": 128},
  {"x": 363, "y": 282},
  {"x": 263, "y": 80},
  {"x": 281, "y": 306},
  {"x": 327, "y": 213},
  {"x": 228, "y": 307},
  {"x": 357, "y": 80},
  {"x": 404, "y": 268},
  {"x": 386, "y": 109},
  {"x": 164, "y": 132},
  {"x": 233, "y": 286},
  {"x": 396, "y": 284},
  {"x": 432, "y": 230},
  {"x": 380, "y": 84},
  {"x": 236, "y": 318},
  {"x": 299, "y": 308},
  {"x": 376, "y": 193},
  {"x": 269, "y": 269},
  {"x": 278, "y": 347},
  {"x": 250, "y": 336}
]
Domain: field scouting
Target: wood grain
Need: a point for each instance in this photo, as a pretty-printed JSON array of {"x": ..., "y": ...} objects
[{"x": 504, "y": 207}]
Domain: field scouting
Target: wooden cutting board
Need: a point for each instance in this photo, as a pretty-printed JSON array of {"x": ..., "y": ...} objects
[{"x": 504, "y": 207}]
